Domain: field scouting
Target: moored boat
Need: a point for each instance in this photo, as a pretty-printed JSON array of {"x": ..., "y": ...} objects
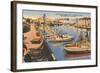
[
  {"x": 63, "y": 38},
  {"x": 77, "y": 48}
]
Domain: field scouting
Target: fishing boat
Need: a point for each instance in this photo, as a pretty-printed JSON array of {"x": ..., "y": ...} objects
[
  {"x": 62, "y": 38},
  {"x": 32, "y": 39},
  {"x": 83, "y": 45},
  {"x": 77, "y": 48},
  {"x": 34, "y": 46}
]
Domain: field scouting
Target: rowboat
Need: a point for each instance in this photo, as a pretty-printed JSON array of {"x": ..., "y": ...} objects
[{"x": 33, "y": 40}]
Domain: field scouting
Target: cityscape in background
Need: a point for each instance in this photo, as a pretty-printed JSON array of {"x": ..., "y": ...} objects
[{"x": 56, "y": 36}]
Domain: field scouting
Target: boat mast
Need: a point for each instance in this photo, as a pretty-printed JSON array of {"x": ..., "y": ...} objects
[{"x": 44, "y": 21}]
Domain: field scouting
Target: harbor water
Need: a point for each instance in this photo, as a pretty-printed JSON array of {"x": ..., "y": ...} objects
[{"x": 58, "y": 47}]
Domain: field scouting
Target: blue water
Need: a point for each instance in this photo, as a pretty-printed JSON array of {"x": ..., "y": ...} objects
[{"x": 57, "y": 48}]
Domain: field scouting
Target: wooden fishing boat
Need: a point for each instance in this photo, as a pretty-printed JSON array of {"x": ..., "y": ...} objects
[
  {"x": 64, "y": 38},
  {"x": 32, "y": 39},
  {"x": 70, "y": 48},
  {"x": 76, "y": 50}
]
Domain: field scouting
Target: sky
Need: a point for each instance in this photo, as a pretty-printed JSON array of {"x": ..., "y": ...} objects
[{"x": 53, "y": 13}]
